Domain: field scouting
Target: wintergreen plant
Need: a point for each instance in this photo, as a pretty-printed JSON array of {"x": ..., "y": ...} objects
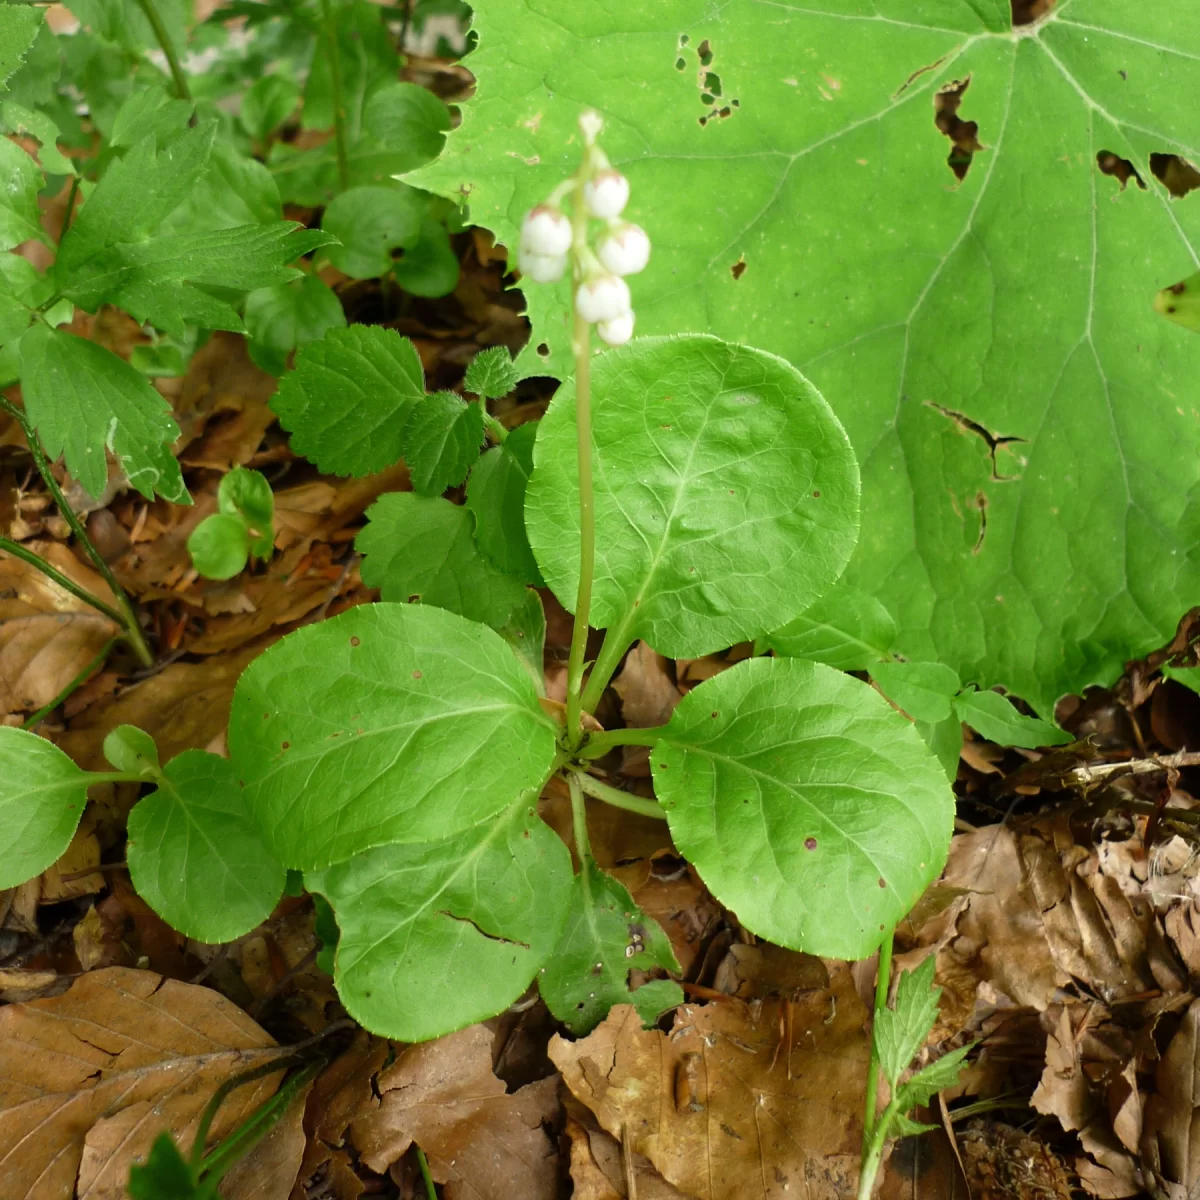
[{"x": 242, "y": 527}]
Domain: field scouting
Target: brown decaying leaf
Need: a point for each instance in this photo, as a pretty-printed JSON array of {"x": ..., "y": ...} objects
[
  {"x": 1171, "y": 1129},
  {"x": 89, "y": 1078},
  {"x": 269, "y": 1170},
  {"x": 759, "y": 1117},
  {"x": 47, "y": 635},
  {"x": 69, "y": 876},
  {"x": 482, "y": 1142},
  {"x": 648, "y": 693}
]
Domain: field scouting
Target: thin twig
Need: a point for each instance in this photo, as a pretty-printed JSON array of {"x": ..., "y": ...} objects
[
  {"x": 1089, "y": 774},
  {"x": 168, "y": 49}
]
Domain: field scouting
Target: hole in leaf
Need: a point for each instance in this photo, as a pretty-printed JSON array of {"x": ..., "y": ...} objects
[
  {"x": 962, "y": 134},
  {"x": 543, "y": 350},
  {"x": 712, "y": 82},
  {"x": 1026, "y": 12},
  {"x": 684, "y": 39},
  {"x": 981, "y": 503},
  {"x": 1176, "y": 174},
  {"x": 704, "y": 50},
  {"x": 993, "y": 441},
  {"x": 737, "y": 271},
  {"x": 736, "y": 103},
  {"x": 680, "y": 64},
  {"x": 1119, "y": 168},
  {"x": 725, "y": 112},
  {"x": 703, "y": 121},
  {"x": 705, "y": 98}
]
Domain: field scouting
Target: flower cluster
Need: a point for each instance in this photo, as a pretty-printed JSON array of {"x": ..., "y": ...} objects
[{"x": 549, "y": 237}]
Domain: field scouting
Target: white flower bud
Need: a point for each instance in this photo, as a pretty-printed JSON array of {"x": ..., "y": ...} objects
[
  {"x": 617, "y": 331},
  {"x": 541, "y": 268},
  {"x": 625, "y": 251},
  {"x": 603, "y": 298},
  {"x": 546, "y": 231},
  {"x": 606, "y": 193}
]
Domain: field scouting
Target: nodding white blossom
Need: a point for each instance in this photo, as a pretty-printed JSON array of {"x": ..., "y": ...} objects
[
  {"x": 603, "y": 298},
  {"x": 546, "y": 231},
  {"x": 606, "y": 193},
  {"x": 617, "y": 331},
  {"x": 625, "y": 251},
  {"x": 541, "y": 268}
]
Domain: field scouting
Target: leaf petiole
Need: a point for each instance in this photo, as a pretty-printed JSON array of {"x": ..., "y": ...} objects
[
  {"x": 599, "y": 744},
  {"x": 619, "y": 799},
  {"x": 168, "y": 49}
]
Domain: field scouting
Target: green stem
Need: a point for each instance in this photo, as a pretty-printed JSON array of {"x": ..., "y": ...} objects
[
  {"x": 599, "y": 744},
  {"x": 423, "y": 1163},
  {"x": 498, "y": 432},
  {"x": 873, "y": 1154},
  {"x": 335, "y": 81},
  {"x": 19, "y": 551},
  {"x": 583, "y": 845},
  {"x": 42, "y": 713},
  {"x": 619, "y": 799},
  {"x": 128, "y": 621},
  {"x": 163, "y": 38},
  {"x": 70, "y": 208},
  {"x": 581, "y": 346},
  {"x": 883, "y": 982},
  {"x": 612, "y": 650}
]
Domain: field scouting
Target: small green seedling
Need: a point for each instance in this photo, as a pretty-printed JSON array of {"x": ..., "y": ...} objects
[{"x": 244, "y": 526}]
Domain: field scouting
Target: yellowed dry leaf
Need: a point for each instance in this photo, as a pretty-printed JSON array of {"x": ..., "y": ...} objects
[
  {"x": 1064, "y": 1089},
  {"x": 89, "y": 1078},
  {"x": 47, "y": 635},
  {"x": 482, "y": 1142},
  {"x": 598, "y": 1166},
  {"x": 720, "y": 1107},
  {"x": 64, "y": 880}
]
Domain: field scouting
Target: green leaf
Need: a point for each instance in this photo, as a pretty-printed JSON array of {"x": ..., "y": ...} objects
[
  {"x": 435, "y": 937},
  {"x": 422, "y": 549},
  {"x": 196, "y": 855},
  {"x": 924, "y": 690},
  {"x": 903, "y": 1126},
  {"x": 846, "y": 628},
  {"x": 281, "y": 318},
  {"x": 441, "y": 442},
  {"x": 387, "y": 723},
  {"x": 525, "y": 632},
  {"x": 926, "y": 1083},
  {"x": 900, "y": 1032},
  {"x": 496, "y": 495},
  {"x": 367, "y": 60},
  {"x": 371, "y": 222},
  {"x": 807, "y": 803},
  {"x": 348, "y": 399},
  {"x": 994, "y": 717},
  {"x": 693, "y": 551},
  {"x": 945, "y": 739},
  {"x": 429, "y": 266},
  {"x": 131, "y": 749},
  {"x": 1181, "y": 302},
  {"x": 21, "y": 289},
  {"x": 219, "y": 546},
  {"x": 20, "y": 218},
  {"x": 326, "y": 928},
  {"x": 42, "y": 797},
  {"x": 248, "y": 494},
  {"x": 233, "y": 191},
  {"x": 20, "y": 119},
  {"x": 606, "y": 937},
  {"x": 150, "y": 111},
  {"x": 83, "y": 398},
  {"x": 267, "y": 104},
  {"x": 492, "y": 373},
  {"x": 19, "y": 25},
  {"x": 165, "y": 1175},
  {"x": 820, "y": 219}
]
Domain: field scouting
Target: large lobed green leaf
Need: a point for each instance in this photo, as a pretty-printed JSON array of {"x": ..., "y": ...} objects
[
  {"x": 809, "y": 806},
  {"x": 726, "y": 494},
  {"x": 798, "y": 194},
  {"x": 388, "y": 723}
]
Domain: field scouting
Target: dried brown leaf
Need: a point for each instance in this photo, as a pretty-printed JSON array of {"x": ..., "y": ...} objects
[
  {"x": 648, "y": 693},
  {"x": 782, "y": 1120},
  {"x": 1171, "y": 1128},
  {"x": 89, "y": 1078},
  {"x": 269, "y": 1171}
]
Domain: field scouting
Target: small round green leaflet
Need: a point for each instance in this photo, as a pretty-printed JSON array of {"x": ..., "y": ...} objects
[
  {"x": 196, "y": 855},
  {"x": 726, "y": 494},
  {"x": 280, "y": 318},
  {"x": 42, "y": 797},
  {"x": 809, "y": 806},
  {"x": 371, "y": 222},
  {"x": 388, "y": 723},
  {"x": 438, "y": 936},
  {"x": 131, "y": 749},
  {"x": 219, "y": 546}
]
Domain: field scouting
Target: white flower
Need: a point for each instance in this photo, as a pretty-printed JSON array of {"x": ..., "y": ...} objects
[
  {"x": 625, "y": 251},
  {"x": 546, "y": 231},
  {"x": 606, "y": 193},
  {"x": 603, "y": 298},
  {"x": 617, "y": 331},
  {"x": 541, "y": 268}
]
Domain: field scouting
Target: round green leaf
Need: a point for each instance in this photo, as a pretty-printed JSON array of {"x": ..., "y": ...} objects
[
  {"x": 195, "y": 854},
  {"x": 496, "y": 495},
  {"x": 438, "y": 936},
  {"x": 809, "y": 806},
  {"x": 492, "y": 373},
  {"x": 268, "y": 104},
  {"x": 726, "y": 494},
  {"x": 219, "y": 546},
  {"x": 280, "y": 318},
  {"x": 131, "y": 749},
  {"x": 371, "y": 222},
  {"x": 429, "y": 266},
  {"x": 42, "y": 797},
  {"x": 248, "y": 494},
  {"x": 388, "y": 723},
  {"x": 846, "y": 628}
]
